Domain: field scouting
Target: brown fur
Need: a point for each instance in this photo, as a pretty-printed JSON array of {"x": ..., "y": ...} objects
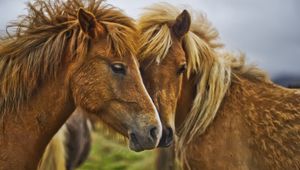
[
  {"x": 51, "y": 65},
  {"x": 228, "y": 114},
  {"x": 252, "y": 130}
]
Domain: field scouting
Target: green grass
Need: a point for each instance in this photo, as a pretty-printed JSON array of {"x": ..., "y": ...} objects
[{"x": 109, "y": 154}]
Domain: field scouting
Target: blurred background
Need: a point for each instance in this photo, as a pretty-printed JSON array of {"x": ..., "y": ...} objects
[{"x": 267, "y": 31}]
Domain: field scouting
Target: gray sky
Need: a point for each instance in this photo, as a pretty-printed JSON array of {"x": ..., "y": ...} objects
[{"x": 268, "y": 31}]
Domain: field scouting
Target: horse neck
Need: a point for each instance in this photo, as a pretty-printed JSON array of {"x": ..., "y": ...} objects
[
  {"x": 243, "y": 90},
  {"x": 188, "y": 93},
  {"x": 25, "y": 134}
]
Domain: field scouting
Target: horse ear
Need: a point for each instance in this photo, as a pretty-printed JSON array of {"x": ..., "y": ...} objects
[
  {"x": 87, "y": 22},
  {"x": 182, "y": 24}
]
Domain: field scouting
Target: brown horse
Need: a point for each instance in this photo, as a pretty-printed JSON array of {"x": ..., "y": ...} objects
[
  {"x": 229, "y": 115},
  {"x": 62, "y": 57}
]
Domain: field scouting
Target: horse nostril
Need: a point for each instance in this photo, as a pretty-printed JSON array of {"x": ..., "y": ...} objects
[
  {"x": 169, "y": 135},
  {"x": 167, "y": 138},
  {"x": 133, "y": 138},
  {"x": 153, "y": 133}
]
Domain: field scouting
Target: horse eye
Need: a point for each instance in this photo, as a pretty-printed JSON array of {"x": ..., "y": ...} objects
[
  {"x": 118, "y": 68},
  {"x": 182, "y": 69}
]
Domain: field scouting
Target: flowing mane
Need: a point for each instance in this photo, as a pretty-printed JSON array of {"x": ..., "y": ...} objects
[
  {"x": 214, "y": 68},
  {"x": 35, "y": 51}
]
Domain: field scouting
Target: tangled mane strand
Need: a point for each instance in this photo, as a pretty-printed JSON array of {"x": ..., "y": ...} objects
[
  {"x": 34, "y": 52},
  {"x": 213, "y": 69}
]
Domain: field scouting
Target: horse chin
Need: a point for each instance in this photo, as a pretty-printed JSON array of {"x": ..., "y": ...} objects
[{"x": 137, "y": 147}]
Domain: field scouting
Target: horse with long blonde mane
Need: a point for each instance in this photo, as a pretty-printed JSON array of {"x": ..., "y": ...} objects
[
  {"x": 63, "y": 55},
  {"x": 229, "y": 115}
]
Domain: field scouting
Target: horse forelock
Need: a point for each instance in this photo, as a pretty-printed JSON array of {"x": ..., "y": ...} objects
[
  {"x": 155, "y": 33},
  {"x": 213, "y": 69},
  {"x": 36, "y": 50}
]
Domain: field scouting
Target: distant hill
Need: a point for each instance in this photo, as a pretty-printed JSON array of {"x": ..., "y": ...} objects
[{"x": 291, "y": 81}]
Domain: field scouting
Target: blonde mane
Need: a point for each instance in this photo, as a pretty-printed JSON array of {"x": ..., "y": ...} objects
[
  {"x": 36, "y": 51},
  {"x": 214, "y": 70}
]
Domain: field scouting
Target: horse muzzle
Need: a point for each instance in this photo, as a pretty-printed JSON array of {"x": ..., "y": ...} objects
[{"x": 144, "y": 140}]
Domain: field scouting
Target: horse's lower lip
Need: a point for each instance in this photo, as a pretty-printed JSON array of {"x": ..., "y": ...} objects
[
  {"x": 134, "y": 143},
  {"x": 138, "y": 147},
  {"x": 135, "y": 146}
]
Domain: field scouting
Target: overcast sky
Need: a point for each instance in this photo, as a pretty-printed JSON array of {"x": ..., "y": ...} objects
[{"x": 268, "y": 31}]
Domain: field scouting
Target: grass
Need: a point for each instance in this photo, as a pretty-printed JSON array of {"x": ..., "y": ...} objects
[{"x": 110, "y": 154}]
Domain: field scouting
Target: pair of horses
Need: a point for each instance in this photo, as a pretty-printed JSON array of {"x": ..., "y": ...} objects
[{"x": 226, "y": 114}]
